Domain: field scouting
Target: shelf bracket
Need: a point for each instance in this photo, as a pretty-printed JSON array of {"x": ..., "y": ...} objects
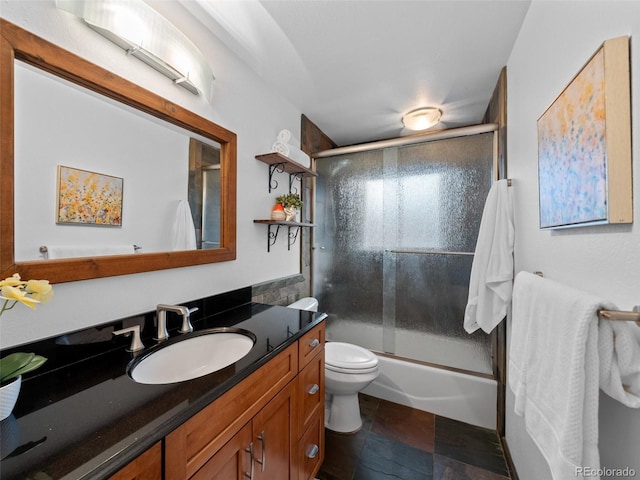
[
  {"x": 273, "y": 168},
  {"x": 292, "y": 177},
  {"x": 292, "y": 236},
  {"x": 273, "y": 236}
]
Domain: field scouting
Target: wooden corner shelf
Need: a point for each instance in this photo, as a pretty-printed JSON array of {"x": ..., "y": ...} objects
[
  {"x": 283, "y": 164},
  {"x": 292, "y": 236}
]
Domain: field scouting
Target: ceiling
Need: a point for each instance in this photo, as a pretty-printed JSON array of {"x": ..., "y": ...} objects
[{"x": 354, "y": 67}]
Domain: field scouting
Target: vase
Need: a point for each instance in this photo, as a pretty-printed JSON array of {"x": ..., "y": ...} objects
[
  {"x": 290, "y": 214},
  {"x": 9, "y": 397},
  {"x": 278, "y": 213}
]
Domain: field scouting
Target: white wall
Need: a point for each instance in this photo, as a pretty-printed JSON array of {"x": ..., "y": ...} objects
[
  {"x": 556, "y": 39},
  {"x": 241, "y": 102}
]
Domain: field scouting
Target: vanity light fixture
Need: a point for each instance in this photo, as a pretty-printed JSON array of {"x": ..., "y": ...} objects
[
  {"x": 421, "y": 118},
  {"x": 145, "y": 34}
]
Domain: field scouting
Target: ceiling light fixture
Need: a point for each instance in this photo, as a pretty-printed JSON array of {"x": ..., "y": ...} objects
[
  {"x": 145, "y": 34},
  {"x": 421, "y": 118}
]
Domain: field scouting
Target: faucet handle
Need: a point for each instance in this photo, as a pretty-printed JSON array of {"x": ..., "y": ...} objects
[
  {"x": 134, "y": 332},
  {"x": 186, "y": 320}
]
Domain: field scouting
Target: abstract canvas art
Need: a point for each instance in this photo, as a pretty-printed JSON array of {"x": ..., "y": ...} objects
[
  {"x": 578, "y": 153},
  {"x": 88, "y": 198}
]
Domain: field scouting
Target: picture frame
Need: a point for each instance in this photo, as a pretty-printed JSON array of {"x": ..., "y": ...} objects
[
  {"x": 584, "y": 145},
  {"x": 88, "y": 198}
]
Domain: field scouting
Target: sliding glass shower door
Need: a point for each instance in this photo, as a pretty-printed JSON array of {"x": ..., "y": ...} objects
[{"x": 396, "y": 230}]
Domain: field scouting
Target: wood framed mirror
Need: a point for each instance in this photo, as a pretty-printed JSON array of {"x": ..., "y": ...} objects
[{"x": 20, "y": 45}]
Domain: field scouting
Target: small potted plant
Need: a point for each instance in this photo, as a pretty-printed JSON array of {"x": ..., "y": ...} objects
[
  {"x": 291, "y": 203},
  {"x": 14, "y": 290}
]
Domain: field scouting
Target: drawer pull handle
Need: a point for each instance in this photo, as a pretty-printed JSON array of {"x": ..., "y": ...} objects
[
  {"x": 249, "y": 450},
  {"x": 314, "y": 389},
  {"x": 312, "y": 451},
  {"x": 314, "y": 343},
  {"x": 263, "y": 461}
]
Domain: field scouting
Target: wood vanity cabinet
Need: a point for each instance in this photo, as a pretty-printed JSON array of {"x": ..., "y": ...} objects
[
  {"x": 268, "y": 427},
  {"x": 147, "y": 466}
]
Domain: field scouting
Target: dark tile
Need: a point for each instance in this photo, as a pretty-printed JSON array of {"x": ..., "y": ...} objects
[
  {"x": 342, "y": 454},
  {"x": 449, "y": 469},
  {"x": 368, "y": 409},
  {"x": 383, "y": 458},
  {"x": 405, "y": 424},
  {"x": 469, "y": 444},
  {"x": 326, "y": 476}
]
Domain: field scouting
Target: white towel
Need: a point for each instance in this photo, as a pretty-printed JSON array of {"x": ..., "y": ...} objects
[
  {"x": 299, "y": 156},
  {"x": 619, "y": 352},
  {"x": 284, "y": 136},
  {"x": 281, "y": 148},
  {"x": 490, "y": 284},
  {"x": 184, "y": 233},
  {"x": 76, "y": 251},
  {"x": 553, "y": 371}
]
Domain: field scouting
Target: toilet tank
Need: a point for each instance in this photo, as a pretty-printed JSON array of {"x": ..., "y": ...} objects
[{"x": 307, "y": 303}]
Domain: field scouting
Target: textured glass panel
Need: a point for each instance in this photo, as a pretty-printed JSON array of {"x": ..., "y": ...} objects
[
  {"x": 442, "y": 186},
  {"x": 383, "y": 217},
  {"x": 348, "y": 246},
  {"x": 431, "y": 295}
]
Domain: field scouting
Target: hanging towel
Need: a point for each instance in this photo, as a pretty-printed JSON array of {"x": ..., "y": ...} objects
[
  {"x": 184, "y": 233},
  {"x": 553, "y": 371},
  {"x": 619, "y": 352},
  {"x": 490, "y": 284},
  {"x": 76, "y": 251}
]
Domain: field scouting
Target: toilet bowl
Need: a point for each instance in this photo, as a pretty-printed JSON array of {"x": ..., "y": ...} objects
[{"x": 348, "y": 369}]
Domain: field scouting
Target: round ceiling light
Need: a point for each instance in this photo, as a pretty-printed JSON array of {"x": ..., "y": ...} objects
[{"x": 421, "y": 118}]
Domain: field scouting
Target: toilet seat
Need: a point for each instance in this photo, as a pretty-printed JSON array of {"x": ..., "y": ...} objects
[{"x": 347, "y": 358}]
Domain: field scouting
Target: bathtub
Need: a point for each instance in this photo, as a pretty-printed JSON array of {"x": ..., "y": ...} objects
[{"x": 467, "y": 398}]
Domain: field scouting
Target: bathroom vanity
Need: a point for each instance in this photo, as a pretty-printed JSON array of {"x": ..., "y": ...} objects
[{"x": 261, "y": 417}]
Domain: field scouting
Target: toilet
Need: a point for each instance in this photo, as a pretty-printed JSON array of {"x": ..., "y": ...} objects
[{"x": 348, "y": 369}]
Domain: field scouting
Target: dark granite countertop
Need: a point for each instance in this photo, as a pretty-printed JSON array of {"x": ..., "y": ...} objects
[{"x": 82, "y": 417}]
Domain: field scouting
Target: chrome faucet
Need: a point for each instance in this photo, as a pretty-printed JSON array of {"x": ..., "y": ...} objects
[
  {"x": 161, "y": 317},
  {"x": 134, "y": 332}
]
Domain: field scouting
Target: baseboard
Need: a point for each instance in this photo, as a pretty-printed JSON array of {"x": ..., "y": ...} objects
[{"x": 513, "y": 474}]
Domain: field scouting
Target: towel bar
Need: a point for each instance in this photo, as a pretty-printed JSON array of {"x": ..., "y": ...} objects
[
  {"x": 43, "y": 248},
  {"x": 618, "y": 315}
]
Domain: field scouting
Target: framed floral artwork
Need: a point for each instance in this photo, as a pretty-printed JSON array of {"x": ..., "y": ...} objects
[
  {"x": 88, "y": 198},
  {"x": 584, "y": 145}
]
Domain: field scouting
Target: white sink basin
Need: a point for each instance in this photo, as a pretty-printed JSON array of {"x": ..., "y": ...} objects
[{"x": 197, "y": 355}]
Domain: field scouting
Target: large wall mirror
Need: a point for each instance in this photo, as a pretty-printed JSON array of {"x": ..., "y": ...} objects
[{"x": 69, "y": 124}]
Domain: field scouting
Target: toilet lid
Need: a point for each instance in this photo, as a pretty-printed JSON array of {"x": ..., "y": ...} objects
[{"x": 341, "y": 356}]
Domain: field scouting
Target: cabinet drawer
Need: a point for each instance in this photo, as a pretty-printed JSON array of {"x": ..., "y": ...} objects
[
  {"x": 310, "y": 344},
  {"x": 310, "y": 391},
  {"x": 311, "y": 449}
]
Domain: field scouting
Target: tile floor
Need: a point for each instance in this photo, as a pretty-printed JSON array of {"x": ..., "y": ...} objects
[{"x": 398, "y": 442}]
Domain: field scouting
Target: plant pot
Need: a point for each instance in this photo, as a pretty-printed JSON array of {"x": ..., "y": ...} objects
[
  {"x": 9, "y": 396},
  {"x": 277, "y": 213},
  {"x": 291, "y": 214}
]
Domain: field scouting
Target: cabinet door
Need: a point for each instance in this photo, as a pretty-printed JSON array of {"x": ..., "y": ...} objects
[
  {"x": 274, "y": 430},
  {"x": 232, "y": 462},
  {"x": 147, "y": 466}
]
